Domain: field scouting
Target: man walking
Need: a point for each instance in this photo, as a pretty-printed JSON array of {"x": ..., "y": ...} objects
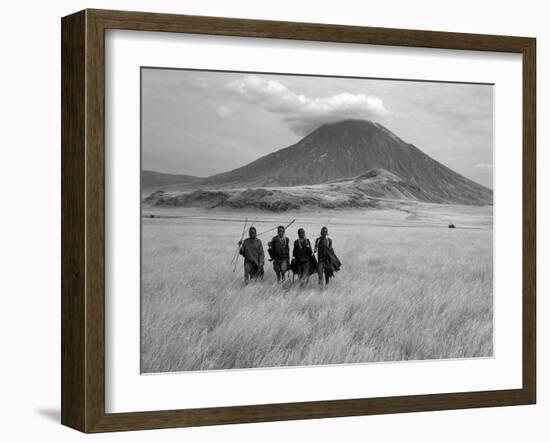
[
  {"x": 328, "y": 262},
  {"x": 279, "y": 251},
  {"x": 303, "y": 255},
  {"x": 253, "y": 252}
]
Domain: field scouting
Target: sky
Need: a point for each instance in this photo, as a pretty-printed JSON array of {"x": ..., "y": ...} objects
[{"x": 202, "y": 123}]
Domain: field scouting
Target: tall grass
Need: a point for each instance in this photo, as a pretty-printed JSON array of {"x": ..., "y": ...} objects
[{"x": 406, "y": 292}]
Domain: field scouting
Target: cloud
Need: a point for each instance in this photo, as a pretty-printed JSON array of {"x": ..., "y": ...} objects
[
  {"x": 485, "y": 166},
  {"x": 223, "y": 111},
  {"x": 304, "y": 114}
]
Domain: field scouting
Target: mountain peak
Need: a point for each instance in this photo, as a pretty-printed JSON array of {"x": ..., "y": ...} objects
[
  {"x": 347, "y": 125},
  {"x": 353, "y": 131},
  {"x": 347, "y": 149},
  {"x": 350, "y": 122}
]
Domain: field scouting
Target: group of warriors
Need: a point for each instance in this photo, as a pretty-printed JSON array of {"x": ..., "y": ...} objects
[{"x": 303, "y": 264}]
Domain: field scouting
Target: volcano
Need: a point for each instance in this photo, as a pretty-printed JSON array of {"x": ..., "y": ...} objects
[{"x": 358, "y": 153}]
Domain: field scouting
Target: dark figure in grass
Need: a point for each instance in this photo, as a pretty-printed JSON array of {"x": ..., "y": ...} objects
[
  {"x": 327, "y": 261},
  {"x": 303, "y": 258},
  {"x": 252, "y": 250},
  {"x": 279, "y": 252}
]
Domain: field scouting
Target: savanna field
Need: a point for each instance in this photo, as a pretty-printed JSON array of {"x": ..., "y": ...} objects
[{"x": 410, "y": 289}]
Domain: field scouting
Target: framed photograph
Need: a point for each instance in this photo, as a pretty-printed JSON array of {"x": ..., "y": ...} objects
[{"x": 267, "y": 220}]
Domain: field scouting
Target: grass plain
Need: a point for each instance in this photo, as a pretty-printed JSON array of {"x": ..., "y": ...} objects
[{"x": 410, "y": 289}]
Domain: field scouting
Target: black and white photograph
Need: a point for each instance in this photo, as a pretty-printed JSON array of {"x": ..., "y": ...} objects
[{"x": 303, "y": 220}]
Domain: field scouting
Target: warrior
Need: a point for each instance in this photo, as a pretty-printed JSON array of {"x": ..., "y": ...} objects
[
  {"x": 327, "y": 261},
  {"x": 304, "y": 259},
  {"x": 279, "y": 251},
  {"x": 253, "y": 252}
]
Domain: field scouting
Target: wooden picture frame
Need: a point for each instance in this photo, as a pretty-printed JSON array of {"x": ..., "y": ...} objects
[{"x": 83, "y": 220}]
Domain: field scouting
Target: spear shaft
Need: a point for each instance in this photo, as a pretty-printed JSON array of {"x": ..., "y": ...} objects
[
  {"x": 269, "y": 230},
  {"x": 236, "y": 257}
]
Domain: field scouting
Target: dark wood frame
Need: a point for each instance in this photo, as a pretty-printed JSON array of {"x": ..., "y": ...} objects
[{"x": 83, "y": 217}]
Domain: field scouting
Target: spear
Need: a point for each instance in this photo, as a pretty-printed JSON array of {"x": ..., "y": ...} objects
[
  {"x": 236, "y": 257},
  {"x": 269, "y": 230},
  {"x": 289, "y": 224}
]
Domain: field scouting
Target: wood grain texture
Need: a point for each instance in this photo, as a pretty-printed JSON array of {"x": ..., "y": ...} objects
[
  {"x": 83, "y": 220},
  {"x": 73, "y": 128},
  {"x": 529, "y": 221},
  {"x": 308, "y": 410},
  {"x": 145, "y": 21},
  {"x": 95, "y": 222}
]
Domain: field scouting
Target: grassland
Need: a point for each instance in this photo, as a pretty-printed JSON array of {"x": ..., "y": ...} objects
[{"x": 410, "y": 289}]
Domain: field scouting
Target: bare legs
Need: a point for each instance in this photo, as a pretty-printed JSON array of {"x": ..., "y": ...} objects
[
  {"x": 320, "y": 271},
  {"x": 281, "y": 268}
]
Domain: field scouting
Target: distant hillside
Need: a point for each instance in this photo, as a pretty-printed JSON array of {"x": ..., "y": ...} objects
[
  {"x": 375, "y": 188},
  {"x": 152, "y": 181},
  {"x": 348, "y": 149}
]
